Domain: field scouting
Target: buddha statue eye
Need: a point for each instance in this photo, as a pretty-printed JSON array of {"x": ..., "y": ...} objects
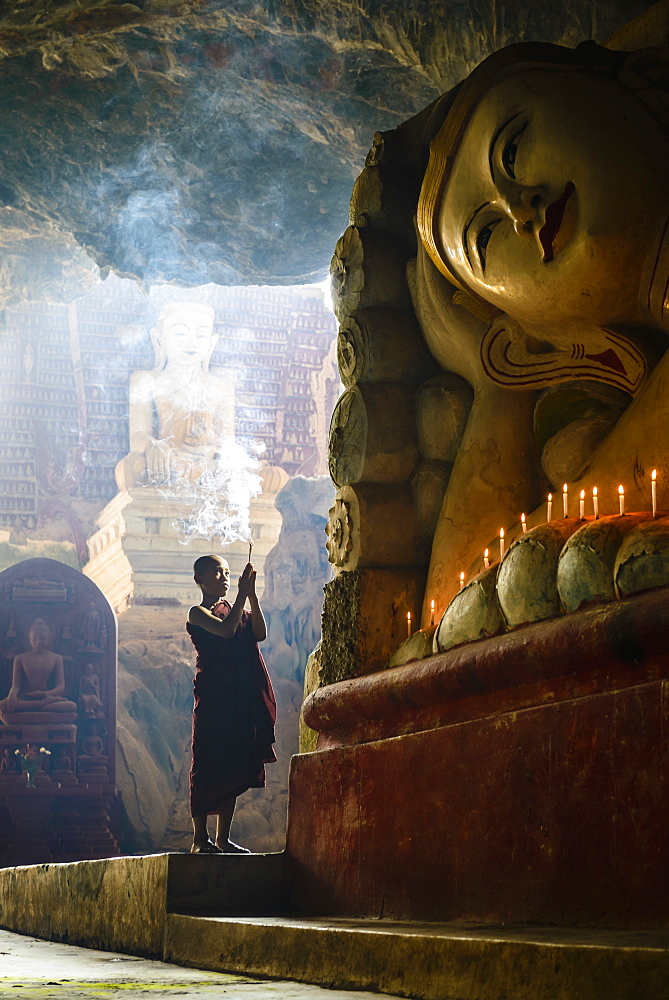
[
  {"x": 483, "y": 239},
  {"x": 509, "y": 153}
]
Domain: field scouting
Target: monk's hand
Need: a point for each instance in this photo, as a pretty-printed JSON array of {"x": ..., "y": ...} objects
[
  {"x": 252, "y": 592},
  {"x": 246, "y": 580}
]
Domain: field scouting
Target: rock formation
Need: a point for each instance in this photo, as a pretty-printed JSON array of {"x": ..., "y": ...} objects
[{"x": 194, "y": 143}]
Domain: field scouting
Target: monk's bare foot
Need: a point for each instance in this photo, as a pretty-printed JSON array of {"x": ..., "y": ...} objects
[
  {"x": 206, "y": 847},
  {"x": 227, "y": 847}
]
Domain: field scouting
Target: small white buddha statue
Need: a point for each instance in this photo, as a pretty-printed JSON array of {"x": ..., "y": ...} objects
[{"x": 179, "y": 411}]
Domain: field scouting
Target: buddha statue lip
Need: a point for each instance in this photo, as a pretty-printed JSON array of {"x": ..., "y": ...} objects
[{"x": 551, "y": 227}]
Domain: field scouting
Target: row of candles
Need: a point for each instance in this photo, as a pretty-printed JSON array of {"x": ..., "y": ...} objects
[{"x": 549, "y": 517}]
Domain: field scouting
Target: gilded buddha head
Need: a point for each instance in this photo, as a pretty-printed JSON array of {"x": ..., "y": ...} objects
[{"x": 545, "y": 205}]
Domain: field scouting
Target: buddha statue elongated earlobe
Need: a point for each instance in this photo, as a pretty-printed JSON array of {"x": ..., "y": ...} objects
[{"x": 515, "y": 359}]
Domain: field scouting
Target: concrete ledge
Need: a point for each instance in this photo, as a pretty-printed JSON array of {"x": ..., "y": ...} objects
[
  {"x": 429, "y": 961},
  {"x": 129, "y": 904},
  {"x": 120, "y": 904},
  {"x": 233, "y": 884}
]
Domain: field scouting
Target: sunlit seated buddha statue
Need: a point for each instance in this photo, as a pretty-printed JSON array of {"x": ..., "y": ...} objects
[
  {"x": 543, "y": 262},
  {"x": 38, "y": 683},
  {"x": 179, "y": 413}
]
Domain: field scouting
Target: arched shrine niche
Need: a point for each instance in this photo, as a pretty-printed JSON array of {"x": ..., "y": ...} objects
[{"x": 54, "y": 618}]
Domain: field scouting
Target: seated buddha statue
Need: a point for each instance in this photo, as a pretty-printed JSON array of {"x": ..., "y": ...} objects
[
  {"x": 92, "y": 760},
  {"x": 38, "y": 683},
  {"x": 179, "y": 412}
]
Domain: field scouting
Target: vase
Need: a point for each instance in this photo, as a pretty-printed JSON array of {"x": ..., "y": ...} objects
[{"x": 30, "y": 779}]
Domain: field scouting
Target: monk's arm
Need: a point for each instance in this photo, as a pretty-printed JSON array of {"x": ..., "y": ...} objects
[
  {"x": 223, "y": 627},
  {"x": 258, "y": 623}
]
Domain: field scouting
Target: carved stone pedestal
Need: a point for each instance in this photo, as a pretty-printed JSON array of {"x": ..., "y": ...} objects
[
  {"x": 55, "y": 824},
  {"x": 137, "y": 553},
  {"x": 519, "y": 779},
  {"x": 30, "y": 810}
]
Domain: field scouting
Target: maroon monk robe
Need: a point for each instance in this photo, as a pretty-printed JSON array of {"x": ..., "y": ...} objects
[{"x": 233, "y": 716}]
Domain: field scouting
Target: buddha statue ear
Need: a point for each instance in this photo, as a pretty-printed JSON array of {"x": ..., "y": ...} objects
[{"x": 514, "y": 358}]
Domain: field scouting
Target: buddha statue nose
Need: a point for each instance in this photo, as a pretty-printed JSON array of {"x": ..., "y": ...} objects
[{"x": 524, "y": 208}]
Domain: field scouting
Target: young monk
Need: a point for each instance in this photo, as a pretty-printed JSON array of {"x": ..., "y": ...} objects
[{"x": 235, "y": 710}]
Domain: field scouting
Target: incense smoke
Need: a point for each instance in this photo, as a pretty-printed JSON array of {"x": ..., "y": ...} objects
[{"x": 217, "y": 506}]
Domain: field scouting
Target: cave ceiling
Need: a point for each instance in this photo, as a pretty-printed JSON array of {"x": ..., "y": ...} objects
[{"x": 209, "y": 141}]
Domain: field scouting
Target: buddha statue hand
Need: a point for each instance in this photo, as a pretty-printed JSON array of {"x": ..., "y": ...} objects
[{"x": 157, "y": 454}]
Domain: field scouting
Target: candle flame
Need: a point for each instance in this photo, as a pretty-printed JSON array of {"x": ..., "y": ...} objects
[
  {"x": 564, "y": 487},
  {"x": 501, "y": 532},
  {"x": 522, "y": 519},
  {"x": 621, "y": 490},
  {"x": 408, "y": 616},
  {"x": 594, "y": 491},
  {"x": 550, "y": 496},
  {"x": 653, "y": 474},
  {"x": 462, "y": 576},
  {"x": 432, "y": 605},
  {"x": 582, "y": 494},
  {"x": 485, "y": 553}
]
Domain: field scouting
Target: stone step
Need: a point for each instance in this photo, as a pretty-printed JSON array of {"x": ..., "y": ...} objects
[
  {"x": 454, "y": 961},
  {"x": 188, "y": 909}
]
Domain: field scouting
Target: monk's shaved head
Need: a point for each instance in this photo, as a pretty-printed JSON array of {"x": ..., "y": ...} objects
[{"x": 204, "y": 563}]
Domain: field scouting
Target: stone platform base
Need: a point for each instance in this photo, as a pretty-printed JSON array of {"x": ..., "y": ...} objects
[
  {"x": 163, "y": 905},
  {"x": 520, "y": 779}
]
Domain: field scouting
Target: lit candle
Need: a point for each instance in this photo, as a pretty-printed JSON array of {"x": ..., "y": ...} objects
[
  {"x": 486, "y": 559},
  {"x": 523, "y": 523},
  {"x": 431, "y": 612},
  {"x": 549, "y": 507},
  {"x": 408, "y": 624},
  {"x": 501, "y": 543},
  {"x": 595, "y": 502},
  {"x": 565, "y": 501},
  {"x": 250, "y": 548},
  {"x": 653, "y": 490},
  {"x": 581, "y": 505},
  {"x": 462, "y": 580},
  {"x": 621, "y": 499}
]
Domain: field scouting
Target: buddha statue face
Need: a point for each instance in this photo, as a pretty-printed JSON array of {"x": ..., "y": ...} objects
[
  {"x": 184, "y": 335},
  {"x": 556, "y": 200},
  {"x": 39, "y": 636}
]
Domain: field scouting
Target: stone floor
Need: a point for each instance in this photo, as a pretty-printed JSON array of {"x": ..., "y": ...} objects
[{"x": 31, "y": 969}]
